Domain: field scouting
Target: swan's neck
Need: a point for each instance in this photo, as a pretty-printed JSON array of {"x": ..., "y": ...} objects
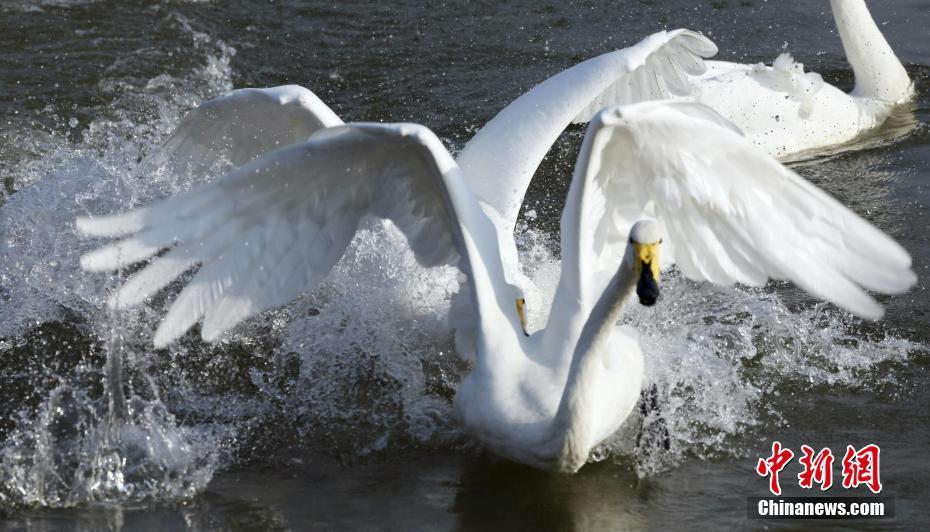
[
  {"x": 879, "y": 73},
  {"x": 500, "y": 160},
  {"x": 574, "y": 425}
]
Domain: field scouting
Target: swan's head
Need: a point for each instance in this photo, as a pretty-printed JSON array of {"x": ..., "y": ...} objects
[{"x": 645, "y": 240}]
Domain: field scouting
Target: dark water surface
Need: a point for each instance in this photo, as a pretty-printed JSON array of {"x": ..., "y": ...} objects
[{"x": 334, "y": 411}]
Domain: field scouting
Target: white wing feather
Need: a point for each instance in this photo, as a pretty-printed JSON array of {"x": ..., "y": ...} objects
[
  {"x": 274, "y": 228},
  {"x": 660, "y": 67},
  {"x": 500, "y": 160},
  {"x": 245, "y": 124},
  {"x": 731, "y": 212}
]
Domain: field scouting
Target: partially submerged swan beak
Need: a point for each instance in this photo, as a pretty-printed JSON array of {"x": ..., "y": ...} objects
[
  {"x": 521, "y": 312},
  {"x": 647, "y": 269}
]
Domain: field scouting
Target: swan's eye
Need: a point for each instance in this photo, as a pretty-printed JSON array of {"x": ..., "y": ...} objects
[{"x": 660, "y": 240}]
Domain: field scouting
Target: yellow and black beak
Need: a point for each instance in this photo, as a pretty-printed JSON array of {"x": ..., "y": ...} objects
[
  {"x": 647, "y": 269},
  {"x": 521, "y": 312}
]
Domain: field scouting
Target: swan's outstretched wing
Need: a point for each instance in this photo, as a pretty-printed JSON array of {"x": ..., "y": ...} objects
[
  {"x": 274, "y": 228},
  {"x": 245, "y": 124},
  {"x": 500, "y": 160},
  {"x": 731, "y": 213}
]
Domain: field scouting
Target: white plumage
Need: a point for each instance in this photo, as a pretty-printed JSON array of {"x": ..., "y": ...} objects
[
  {"x": 730, "y": 213},
  {"x": 246, "y": 123},
  {"x": 781, "y": 109},
  {"x": 273, "y": 228},
  {"x": 500, "y": 160}
]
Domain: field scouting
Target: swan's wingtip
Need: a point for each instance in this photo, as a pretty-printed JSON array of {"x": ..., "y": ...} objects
[
  {"x": 80, "y": 223},
  {"x": 87, "y": 225},
  {"x": 869, "y": 310},
  {"x": 96, "y": 261},
  {"x": 908, "y": 281},
  {"x": 111, "y": 225},
  {"x": 86, "y": 262},
  {"x": 876, "y": 314},
  {"x": 700, "y": 44},
  {"x": 162, "y": 338}
]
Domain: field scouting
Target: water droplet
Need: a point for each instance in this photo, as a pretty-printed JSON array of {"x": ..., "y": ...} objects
[{"x": 73, "y": 122}]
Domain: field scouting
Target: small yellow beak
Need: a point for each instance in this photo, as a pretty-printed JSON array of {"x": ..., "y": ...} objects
[
  {"x": 521, "y": 312},
  {"x": 647, "y": 272},
  {"x": 647, "y": 254}
]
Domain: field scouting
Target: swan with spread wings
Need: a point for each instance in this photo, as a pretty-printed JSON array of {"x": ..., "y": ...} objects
[
  {"x": 655, "y": 183},
  {"x": 498, "y": 162},
  {"x": 781, "y": 109}
]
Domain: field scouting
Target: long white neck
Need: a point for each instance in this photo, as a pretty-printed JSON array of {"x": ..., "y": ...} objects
[
  {"x": 573, "y": 427},
  {"x": 500, "y": 160},
  {"x": 879, "y": 73}
]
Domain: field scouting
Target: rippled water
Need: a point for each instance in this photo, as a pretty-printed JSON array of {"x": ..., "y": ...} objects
[{"x": 334, "y": 411}]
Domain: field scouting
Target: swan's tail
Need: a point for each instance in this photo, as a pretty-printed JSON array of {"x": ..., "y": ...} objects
[{"x": 879, "y": 73}]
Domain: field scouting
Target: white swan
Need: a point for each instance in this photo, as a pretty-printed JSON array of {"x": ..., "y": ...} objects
[
  {"x": 498, "y": 162},
  {"x": 780, "y": 109},
  {"x": 726, "y": 212},
  {"x": 788, "y": 112}
]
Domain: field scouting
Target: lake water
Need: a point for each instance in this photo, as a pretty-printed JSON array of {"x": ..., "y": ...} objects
[{"x": 334, "y": 412}]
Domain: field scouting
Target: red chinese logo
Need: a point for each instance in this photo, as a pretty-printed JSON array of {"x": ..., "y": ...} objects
[
  {"x": 772, "y": 465},
  {"x": 817, "y": 469},
  {"x": 861, "y": 467}
]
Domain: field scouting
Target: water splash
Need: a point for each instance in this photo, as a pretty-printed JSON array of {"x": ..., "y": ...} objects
[
  {"x": 74, "y": 451},
  {"x": 365, "y": 366},
  {"x": 361, "y": 367},
  {"x": 68, "y": 440},
  {"x": 726, "y": 360}
]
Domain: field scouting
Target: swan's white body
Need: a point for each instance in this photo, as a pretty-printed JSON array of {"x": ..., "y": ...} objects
[
  {"x": 273, "y": 228},
  {"x": 727, "y": 211},
  {"x": 790, "y": 113},
  {"x": 784, "y": 111}
]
